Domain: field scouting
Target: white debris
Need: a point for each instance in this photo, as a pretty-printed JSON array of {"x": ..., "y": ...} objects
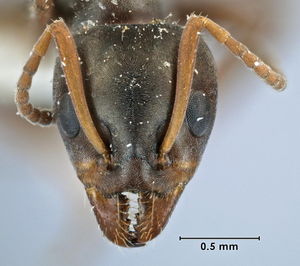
[
  {"x": 200, "y": 118},
  {"x": 103, "y": 7},
  {"x": 125, "y": 28},
  {"x": 133, "y": 210},
  {"x": 169, "y": 16},
  {"x": 161, "y": 30},
  {"x": 167, "y": 64},
  {"x": 86, "y": 25},
  {"x": 129, "y": 145},
  {"x": 257, "y": 63}
]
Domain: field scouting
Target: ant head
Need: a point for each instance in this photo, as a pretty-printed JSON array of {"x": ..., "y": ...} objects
[{"x": 129, "y": 75}]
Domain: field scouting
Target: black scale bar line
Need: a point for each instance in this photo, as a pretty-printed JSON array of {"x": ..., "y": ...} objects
[{"x": 219, "y": 238}]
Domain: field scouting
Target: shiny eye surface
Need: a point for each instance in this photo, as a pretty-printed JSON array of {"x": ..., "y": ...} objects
[
  {"x": 67, "y": 117},
  {"x": 198, "y": 113}
]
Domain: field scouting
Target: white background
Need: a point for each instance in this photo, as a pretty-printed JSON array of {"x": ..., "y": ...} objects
[{"x": 247, "y": 184}]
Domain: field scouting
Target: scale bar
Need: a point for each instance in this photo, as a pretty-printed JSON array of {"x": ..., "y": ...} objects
[{"x": 219, "y": 238}]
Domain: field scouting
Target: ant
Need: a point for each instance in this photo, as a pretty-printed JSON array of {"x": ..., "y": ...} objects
[{"x": 135, "y": 102}]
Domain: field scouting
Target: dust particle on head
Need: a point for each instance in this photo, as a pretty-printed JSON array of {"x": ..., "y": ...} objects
[
  {"x": 103, "y": 7},
  {"x": 167, "y": 64},
  {"x": 161, "y": 30},
  {"x": 86, "y": 25},
  {"x": 125, "y": 28}
]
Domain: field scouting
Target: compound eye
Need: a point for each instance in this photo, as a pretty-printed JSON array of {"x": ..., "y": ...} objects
[
  {"x": 67, "y": 117},
  {"x": 198, "y": 113}
]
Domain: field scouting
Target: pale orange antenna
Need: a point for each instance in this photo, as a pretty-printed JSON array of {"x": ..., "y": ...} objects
[
  {"x": 186, "y": 66},
  {"x": 71, "y": 66}
]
